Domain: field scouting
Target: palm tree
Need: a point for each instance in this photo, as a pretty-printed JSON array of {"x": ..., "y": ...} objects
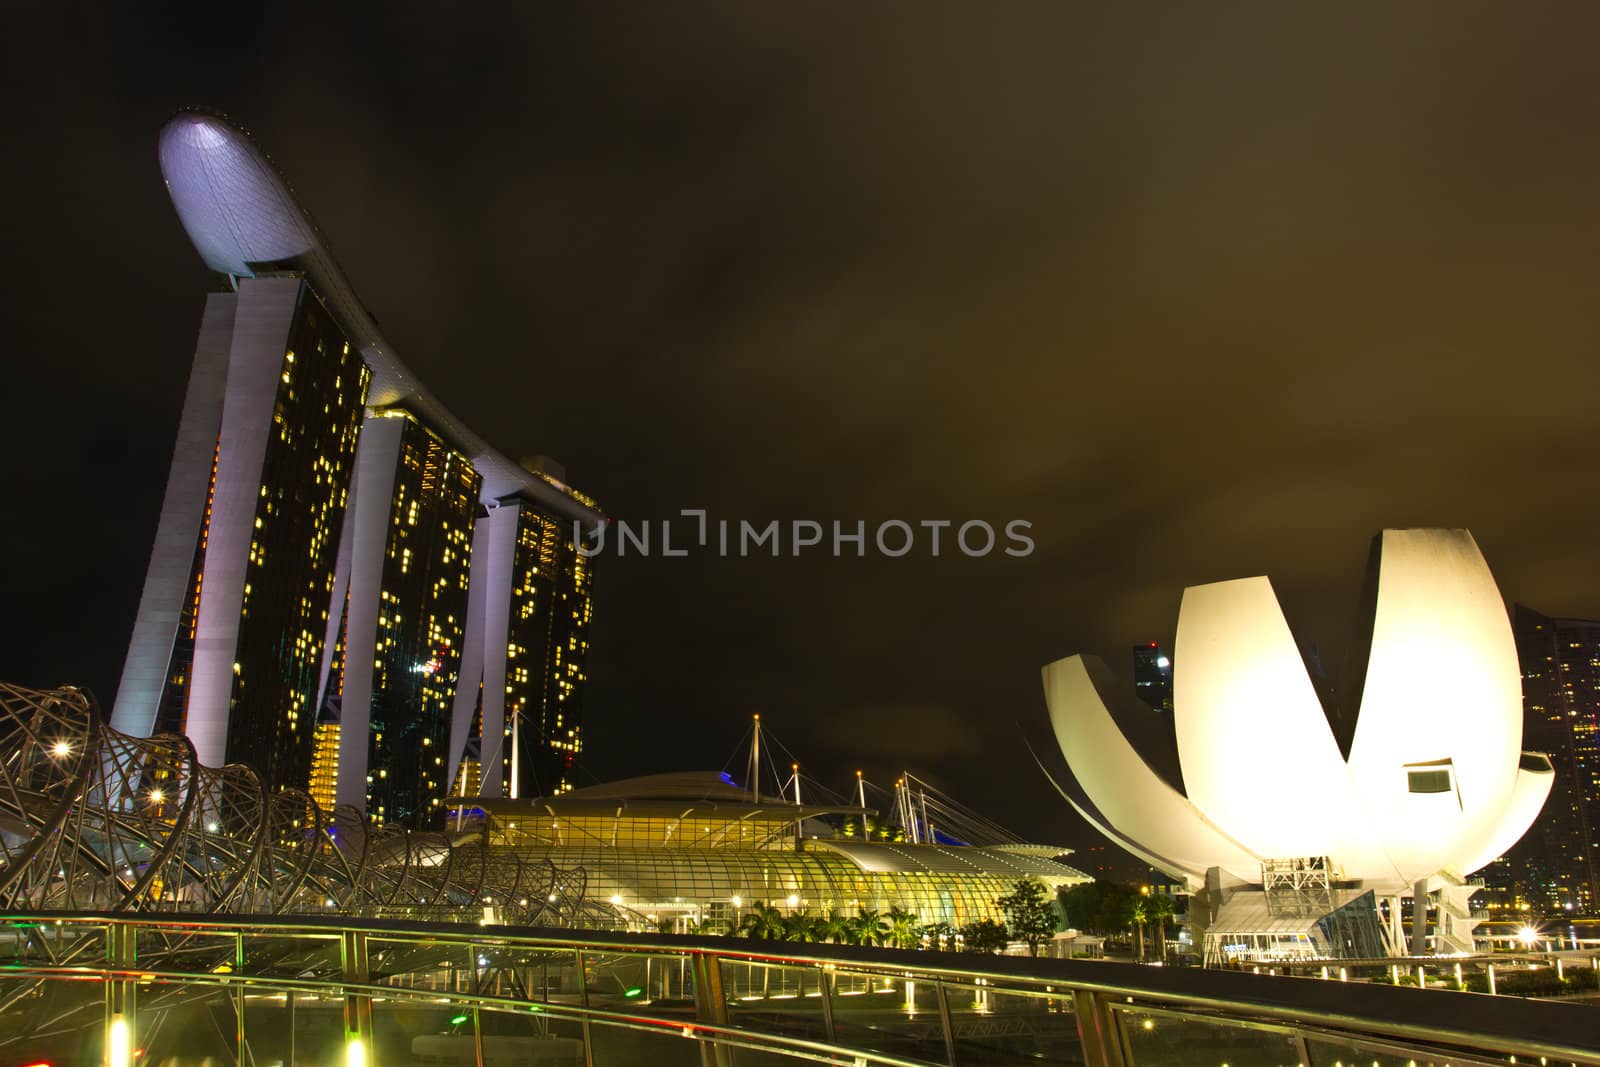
[
  {"x": 800, "y": 926},
  {"x": 1135, "y": 914},
  {"x": 834, "y": 927},
  {"x": 1160, "y": 910},
  {"x": 868, "y": 928},
  {"x": 904, "y": 930},
  {"x": 763, "y": 922}
]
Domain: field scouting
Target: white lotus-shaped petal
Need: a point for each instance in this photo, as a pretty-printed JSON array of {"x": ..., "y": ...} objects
[
  {"x": 1431, "y": 786},
  {"x": 1136, "y": 807}
]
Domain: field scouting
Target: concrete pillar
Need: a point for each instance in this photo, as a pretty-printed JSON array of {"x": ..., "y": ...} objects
[
  {"x": 496, "y": 572},
  {"x": 263, "y": 315},
  {"x": 377, "y": 453},
  {"x": 1419, "y": 918},
  {"x": 471, "y": 676},
  {"x": 166, "y": 583}
]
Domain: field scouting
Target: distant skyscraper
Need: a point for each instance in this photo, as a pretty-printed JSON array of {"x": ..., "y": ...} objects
[
  {"x": 1556, "y": 866},
  {"x": 1152, "y": 676},
  {"x": 313, "y": 606}
]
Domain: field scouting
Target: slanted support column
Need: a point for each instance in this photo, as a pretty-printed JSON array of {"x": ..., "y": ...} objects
[
  {"x": 1397, "y": 934},
  {"x": 263, "y": 317},
  {"x": 944, "y": 1023},
  {"x": 357, "y": 1006},
  {"x": 166, "y": 583},
  {"x": 377, "y": 452},
  {"x": 336, "y": 601},
  {"x": 711, "y": 1008},
  {"x": 1419, "y": 918},
  {"x": 495, "y": 571},
  {"x": 121, "y": 995},
  {"x": 1097, "y": 1029},
  {"x": 470, "y": 678}
]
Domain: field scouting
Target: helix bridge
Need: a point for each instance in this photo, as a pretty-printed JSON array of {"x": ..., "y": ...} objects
[{"x": 93, "y": 820}]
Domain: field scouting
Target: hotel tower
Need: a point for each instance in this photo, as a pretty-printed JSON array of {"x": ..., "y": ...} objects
[{"x": 350, "y": 591}]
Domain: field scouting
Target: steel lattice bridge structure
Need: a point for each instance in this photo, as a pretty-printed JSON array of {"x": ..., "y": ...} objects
[
  {"x": 155, "y": 912},
  {"x": 94, "y": 820}
]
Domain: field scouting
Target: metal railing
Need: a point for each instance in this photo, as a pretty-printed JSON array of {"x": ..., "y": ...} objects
[{"x": 170, "y": 991}]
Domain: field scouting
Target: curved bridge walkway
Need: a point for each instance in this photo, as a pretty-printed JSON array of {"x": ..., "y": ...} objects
[{"x": 172, "y": 991}]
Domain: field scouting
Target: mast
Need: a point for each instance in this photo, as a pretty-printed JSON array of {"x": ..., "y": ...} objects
[
  {"x": 903, "y": 806},
  {"x": 861, "y": 796},
  {"x": 755, "y": 761},
  {"x": 799, "y": 827},
  {"x": 516, "y": 754},
  {"x": 927, "y": 824}
]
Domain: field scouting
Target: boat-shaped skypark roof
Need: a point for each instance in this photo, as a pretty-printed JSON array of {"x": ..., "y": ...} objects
[{"x": 243, "y": 220}]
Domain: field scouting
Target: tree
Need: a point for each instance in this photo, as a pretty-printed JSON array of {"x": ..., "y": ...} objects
[
  {"x": 868, "y": 928},
  {"x": 985, "y": 935},
  {"x": 834, "y": 927},
  {"x": 1134, "y": 915},
  {"x": 1029, "y": 913},
  {"x": 800, "y": 926},
  {"x": 1093, "y": 907},
  {"x": 941, "y": 936},
  {"x": 1160, "y": 909},
  {"x": 904, "y": 929},
  {"x": 1111, "y": 916},
  {"x": 763, "y": 922}
]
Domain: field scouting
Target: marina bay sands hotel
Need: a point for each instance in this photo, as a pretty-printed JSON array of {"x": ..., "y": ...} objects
[{"x": 350, "y": 591}]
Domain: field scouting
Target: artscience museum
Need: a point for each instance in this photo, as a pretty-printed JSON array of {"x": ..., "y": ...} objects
[{"x": 1297, "y": 815}]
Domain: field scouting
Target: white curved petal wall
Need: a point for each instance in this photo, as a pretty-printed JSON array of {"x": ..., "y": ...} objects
[
  {"x": 1131, "y": 796},
  {"x": 1431, "y": 786},
  {"x": 1529, "y": 791},
  {"x": 1443, "y": 689},
  {"x": 1250, "y": 724}
]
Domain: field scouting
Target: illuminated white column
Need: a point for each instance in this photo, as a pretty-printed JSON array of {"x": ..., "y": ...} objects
[
  {"x": 471, "y": 676},
  {"x": 166, "y": 582},
  {"x": 377, "y": 452},
  {"x": 336, "y": 602},
  {"x": 1419, "y": 918},
  {"x": 265, "y": 312},
  {"x": 497, "y": 566}
]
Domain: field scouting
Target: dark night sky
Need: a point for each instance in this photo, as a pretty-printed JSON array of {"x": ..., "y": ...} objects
[{"x": 1200, "y": 293}]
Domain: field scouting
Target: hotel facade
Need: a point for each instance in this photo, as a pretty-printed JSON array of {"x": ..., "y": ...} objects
[{"x": 349, "y": 591}]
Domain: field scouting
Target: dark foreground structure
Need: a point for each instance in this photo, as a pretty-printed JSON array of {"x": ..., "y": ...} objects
[
  {"x": 154, "y": 911},
  {"x": 122, "y": 990}
]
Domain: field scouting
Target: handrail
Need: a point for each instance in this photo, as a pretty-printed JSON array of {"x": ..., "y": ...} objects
[{"x": 1434, "y": 1018}]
